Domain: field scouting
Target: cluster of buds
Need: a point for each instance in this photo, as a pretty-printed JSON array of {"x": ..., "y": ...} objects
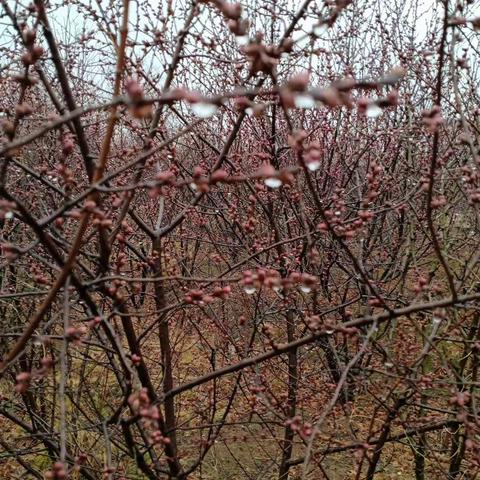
[
  {"x": 256, "y": 391},
  {"x": 333, "y": 217},
  {"x": 249, "y": 224},
  {"x": 74, "y": 334},
  {"x": 269, "y": 332},
  {"x": 61, "y": 170},
  {"x": 199, "y": 181},
  {"x": 114, "y": 289},
  {"x": 438, "y": 202},
  {"x": 296, "y": 425},
  {"x": 306, "y": 282},
  {"x": 24, "y": 379},
  {"x": 360, "y": 452},
  {"x": 421, "y": 284},
  {"x": 439, "y": 315},
  {"x": 139, "y": 107},
  {"x": 336, "y": 95},
  {"x": 274, "y": 178},
  {"x": 374, "y": 181},
  {"x": 425, "y": 382},
  {"x": 233, "y": 13},
  {"x": 46, "y": 364},
  {"x": 251, "y": 221},
  {"x": 252, "y": 401},
  {"x": 80, "y": 460},
  {"x": 374, "y": 108},
  {"x": 312, "y": 156},
  {"x": 38, "y": 275},
  {"x": 136, "y": 359},
  {"x": 68, "y": 145},
  {"x": 121, "y": 260},
  {"x": 139, "y": 400},
  {"x": 263, "y": 58},
  {"x": 9, "y": 252},
  {"x": 199, "y": 297},
  {"x": 99, "y": 217},
  {"x": 236, "y": 25},
  {"x": 334, "y": 220},
  {"x": 347, "y": 331},
  {"x": 432, "y": 119},
  {"x": 253, "y": 281},
  {"x": 8, "y": 127},
  {"x": 34, "y": 52},
  {"x": 59, "y": 471},
  {"x": 156, "y": 438},
  {"x": 460, "y": 399},
  {"x": 150, "y": 413},
  {"x": 374, "y": 302},
  {"x": 125, "y": 231},
  {"x": 424, "y": 183},
  {"x": 251, "y": 108},
  {"x": 294, "y": 93},
  {"x": 158, "y": 37},
  {"x": 473, "y": 446},
  {"x": 298, "y": 83},
  {"x": 219, "y": 176},
  {"x": 222, "y": 292},
  {"x": 95, "y": 322},
  {"x": 470, "y": 180},
  {"x": 23, "y": 110},
  {"x": 296, "y": 140},
  {"x": 315, "y": 324},
  {"x": 108, "y": 472}
]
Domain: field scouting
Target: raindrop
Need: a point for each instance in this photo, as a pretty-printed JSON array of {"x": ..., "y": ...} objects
[
  {"x": 204, "y": 109},
  {"x": 242, "y": 39},
  {"x": 305, "y": 289},
  {"x": 373, "y": 111},
  {"x": 304, "y": 101},
  {"x": 249, "y": 289},
  {"x": 312, "y": 166},
  {"x": 9, "y": 215},
  {"x": 273, "y": 182}
]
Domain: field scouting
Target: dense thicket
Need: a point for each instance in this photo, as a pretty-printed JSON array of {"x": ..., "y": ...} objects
[{"x": 239, "y": 240}]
